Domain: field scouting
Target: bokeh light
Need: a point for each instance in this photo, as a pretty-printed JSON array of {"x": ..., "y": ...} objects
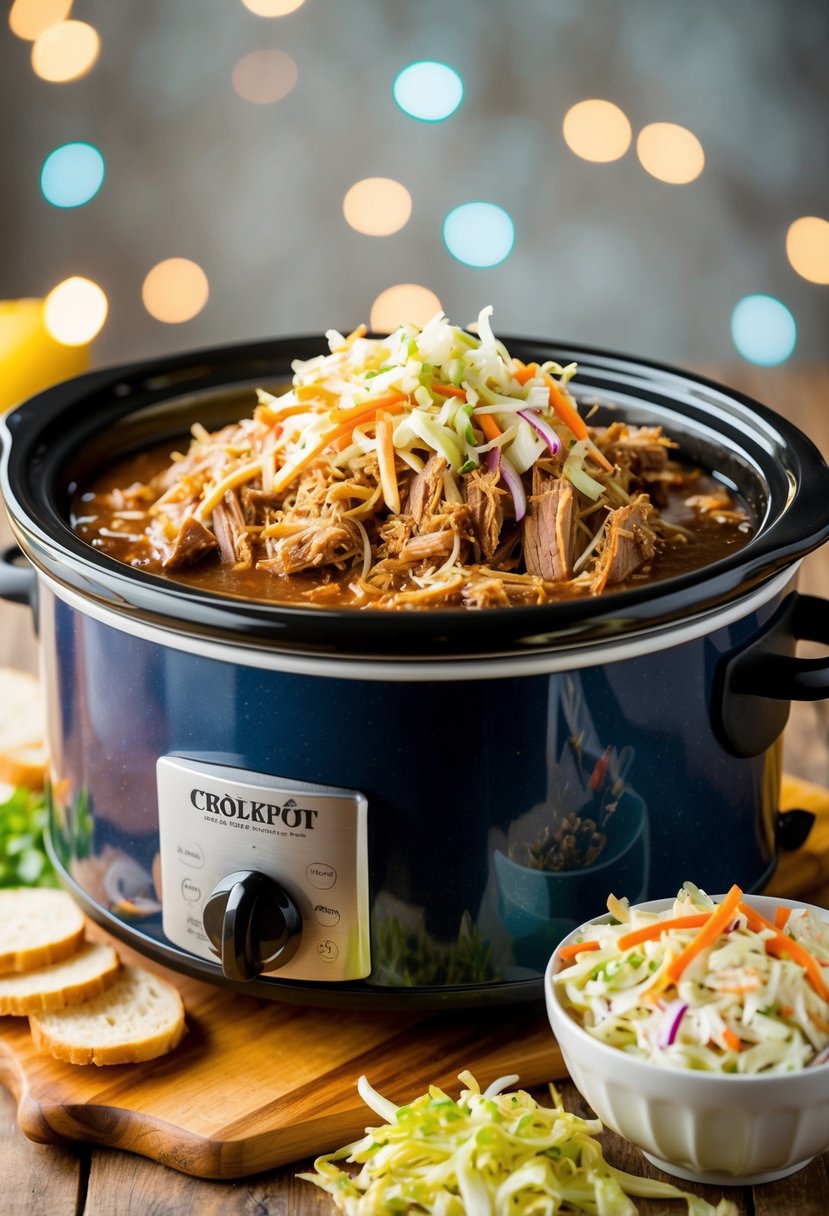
[
  {"x": 763, "y": 329},
  {"x": 175, "y": 290},
  {"x": 428, "y": 91},
  {"x": 807, "y": 248},
  {"x": 29, "y": 18},
  {"x": 597, "y": 130},
  {"x": 65, "y": 51},
  {"x": 377, "y": 206},
  {"x": 670, "y": 153},
  {"x": 72, "y": 175},
  {"x": 479, "y": 234},
  {"x": 264, "y": 77},
  {"x": 273, "y": 8},
  {"x": 75, "y": 311},
  {"x": 404, "y": 303}
]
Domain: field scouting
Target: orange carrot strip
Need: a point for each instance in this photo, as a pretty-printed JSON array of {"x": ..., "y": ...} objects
[
  {"x": 385, "y": 461},
  {"x": 568, "y": 415},
  {"x": 489, "y": 426},
  {"x": 731, "y": 1039},
  {"x": 524, "y": 372},
  {"x": 781, "y": 915},
  {"x": 781, "y": 943},
  {"x": 568, "y": 952},
  {"x": 287, "y": 474},
  {"x": 368, "y": 407},
  {"x": 709, "y": 933},
  {"x": 449, "y": 390},
  {"x": 649, "y": 932},
  {"x": 316, "y": 392}
]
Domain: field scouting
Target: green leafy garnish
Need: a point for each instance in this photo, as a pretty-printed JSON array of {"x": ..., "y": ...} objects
[{"x": 23, "y": 858}]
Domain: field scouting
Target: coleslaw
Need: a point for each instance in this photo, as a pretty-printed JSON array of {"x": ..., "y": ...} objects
[
  {"x": 709, "y": 986},
  {"x": 491, "y": 1153}
]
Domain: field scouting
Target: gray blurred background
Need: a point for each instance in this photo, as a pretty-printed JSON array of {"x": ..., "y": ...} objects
[{"x": 604, "y": 254}]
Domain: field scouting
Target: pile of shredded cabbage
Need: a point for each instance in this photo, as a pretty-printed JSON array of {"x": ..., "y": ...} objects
[
  {"x": 753, "y": 1000},
  {"x": 485, "y": 1154}
]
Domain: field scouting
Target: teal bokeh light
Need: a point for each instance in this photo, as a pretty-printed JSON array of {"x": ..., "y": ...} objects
[
  {"x": 763, "y": 330},
  {"x": 428, "y": 91},
  {"x": 72, "y": 175},
  {"x": 479, "y": 234}
]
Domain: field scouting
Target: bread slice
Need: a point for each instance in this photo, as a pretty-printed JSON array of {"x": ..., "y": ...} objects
[
  {"x": 22, "y": 728},
  {"x": 38, "y": 926},
  {"x": 138, "y": 1018},
  {"x": 90, "y": 971}
]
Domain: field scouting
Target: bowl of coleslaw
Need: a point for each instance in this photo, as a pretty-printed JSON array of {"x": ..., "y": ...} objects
[{"x": 698, "y": 1029}]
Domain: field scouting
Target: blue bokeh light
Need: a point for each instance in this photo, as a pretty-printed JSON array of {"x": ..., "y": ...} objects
[
  {"x": 479, "y": 234},
  {"x": 763, "y": 330},
  {"x": 428, "y": 91},
  {"x": 72, "y": 175}
]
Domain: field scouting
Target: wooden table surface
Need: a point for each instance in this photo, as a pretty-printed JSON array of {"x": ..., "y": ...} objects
[{"x": 93, "y": 1181}]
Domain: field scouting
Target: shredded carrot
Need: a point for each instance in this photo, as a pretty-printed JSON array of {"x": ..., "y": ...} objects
[
  {"x": 649, "y": 932},
  {"x": 781, "y": 915},
  {"x": 751, "y": 984},
  {"x": 568, "y": 415},
  {"x": 359, "y": 332},
  {"x": 710, "y": 931},
  {"x": 731, "y": 1040},
  {"x": 489, "y": 426},
  {"x": 781, "y": 943},
  {"x": 524, "y": 372},
  {"x": 316, "y": 392},
  {"x": 287, "y": 474},
  {"x": 385, "y": 461},
  {"x": 368, "y": 407},
  {"x": 449, "y": 390},
  {"x": 568, "y": 952}
]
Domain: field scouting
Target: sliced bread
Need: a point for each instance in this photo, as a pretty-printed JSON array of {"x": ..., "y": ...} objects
[
  {"x": 88, "y": 972},
  {"x": 24, "y": 765},
  {"x": 22, "y": 729},
  {"x": 139, "y": 1017},
  {"x": 38, "y": 926}
]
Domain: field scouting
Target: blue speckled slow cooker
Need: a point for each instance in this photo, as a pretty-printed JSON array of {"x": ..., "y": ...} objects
[{"x": 375, "y": 808}]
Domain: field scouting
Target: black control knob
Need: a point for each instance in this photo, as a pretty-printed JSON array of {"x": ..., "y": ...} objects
[{"x": 253, "y": 925}]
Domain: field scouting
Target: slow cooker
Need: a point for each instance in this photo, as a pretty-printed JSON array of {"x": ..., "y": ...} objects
[{"x": 355, "y": 807}]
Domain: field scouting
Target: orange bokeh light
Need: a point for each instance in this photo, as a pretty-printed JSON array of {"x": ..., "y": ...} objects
[
  {"x": 807, "y": 248},
  {"x": 273, "y": 8},
  {"x": 65, "y": 51},
  {"x": 175, "y": 290},
  {"x": 597, "y": 130},
  {"x": 377, "y": 206},
  {"x": 404, "y": 303},
  {"x": 264, "y": 77},
  {"x": 29, "y": 18},
  {"x": 670, "y": 153}
]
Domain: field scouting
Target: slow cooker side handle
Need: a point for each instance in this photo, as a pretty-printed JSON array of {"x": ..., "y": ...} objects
[
  {"x": 755, "y": 684},
  {"x": 18, "y": 581}
]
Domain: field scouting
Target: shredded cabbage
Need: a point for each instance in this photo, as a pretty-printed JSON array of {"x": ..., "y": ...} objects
[
  {"x": 744, "y": 1004},
  {"x": 496, "y": 1153}
]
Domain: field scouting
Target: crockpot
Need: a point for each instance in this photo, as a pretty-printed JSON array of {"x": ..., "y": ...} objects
[{"x": 360, "y": 807}]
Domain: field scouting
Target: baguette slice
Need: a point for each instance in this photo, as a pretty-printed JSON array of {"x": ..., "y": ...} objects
[
  {"x": 87, "y": 973},
  {"x": 24, "y": 765},
  {"x": 38, "y": 926},
  {"x": 138, "y": 1018},
  {"x": 23, "y": 717}
]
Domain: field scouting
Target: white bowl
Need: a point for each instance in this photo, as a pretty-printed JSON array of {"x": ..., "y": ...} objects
[{"x": 706, "y": 1127}]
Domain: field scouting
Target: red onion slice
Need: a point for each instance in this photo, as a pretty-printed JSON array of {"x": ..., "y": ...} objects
[
  {"x": 497, "y": 460},
  {"x": 541, "y": 428},
  {"x": 669, "y": 1027}
]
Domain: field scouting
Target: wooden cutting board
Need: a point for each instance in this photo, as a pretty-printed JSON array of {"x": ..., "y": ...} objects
[{"x": 256, "y": 1083}]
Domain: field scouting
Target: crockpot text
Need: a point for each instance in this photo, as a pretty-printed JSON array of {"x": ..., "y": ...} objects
[{"x": 290, "y": 814}]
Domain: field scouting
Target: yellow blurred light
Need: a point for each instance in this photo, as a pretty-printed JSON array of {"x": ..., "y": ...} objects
[
  {"x": 807, "y": 248},
  {"x": 75, "y": 311},
  {"x": 669, "y": 152},
  {"x": 175, "y": 290},
  {"x": 29, "y": 18},
  {"x": 273, "y": 8},
  {"x": 597, "y": 130},
  {"x": 65, "y": 51},
  {"x": 405, "y": 303},
  {"x": 377, "y": 206},
  {"x": 263, "y": 77}
]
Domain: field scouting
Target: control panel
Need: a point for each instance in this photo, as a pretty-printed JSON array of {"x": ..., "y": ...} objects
[{"x": 266, "y": 875}]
